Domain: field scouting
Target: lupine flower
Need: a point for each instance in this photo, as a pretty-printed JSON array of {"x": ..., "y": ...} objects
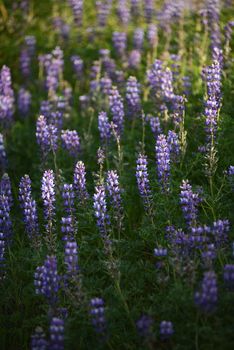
[
  {"x": 154, "y": 125},
  {"x": 163, "y": 161},
  {"x": 54, "y": 69},
  {"x": 71, "y": 258},
  {"x": 77, "y": 9},
  {"x": 48, "y": 197},
  {"x": 25, "y": 62},
  {"x": 208, "y": 256},
  {"x": 160, "y": 252},
  {"x": 103, "y": 10},
  {"x": 68, "y": 227},
  {"x": 2, "y": 256},
  {"x": 46, "y": 280},
  {"x": 138, "y": 38},
  {"x": 228, "y": 276},
  {"x": 71, "y": 142},
  {"x": 134, "y": 59},
  {"x": 135, "y": 7},
  {"x": 3, "y": 156},
  {"x": 133, "y": 96},
  {"x": 213, "y": 12},
  {"x": 149, "y": 10},
  {"x": 80, "y": 181},
  {"x": 206, "y": 299},
  {"x": 97, "y": 312},
  {"x": 68, "y": 196},
  {"x": 6, "y": 97},
  {"x": 104, "y": 127},
  {"x": 143, "y": 180},
  {"x": 113, "y": 188},
  {"x": 78, "y": 65},
  {"x": 47, "y": 136},
  {"x": 100, "y": 209},
  {"x": 144, "y": 326},
  {"x": 152, "y": 35},
  {"x": 220, "y": 229},
  {"x": 123, "y": 11},
  {"x": 117, "y": 110},
  {"x": 38, "y": 340},
  {"x": 24, "y": 101},
  {"x": 5, "y": 188},
  {"x": 119, "y": 42},
  {"x": 30, "y": 42},
  {"x": 5, "y": 220},
  {"x": 189, "y": 202},
  {"x": 56, "y": 334},
  {"x": 105, "y": 85},
  {"x": 166, "y": 329},
  {"x": 28, "y": 206}
]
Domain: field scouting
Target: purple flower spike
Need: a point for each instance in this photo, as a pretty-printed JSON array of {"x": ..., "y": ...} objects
[
  {"x": 189, "y": 202},
  {"x": 77, "y": 9},
  {"x": 117, "y": 110},
  {"x": 3, "y": 156},
  {"x": 154, "y": 125},
  {"x": 24, "y": 101},
  {"x": 38, "y": 340},
  {"x": 100, "y": 209},
  {"x": 47, "y": 136},
  {"x": 166, "y": 329},
  {"x": 163, "y": 162},
  {"x": 97, "y": 313},
  {"x": 56, "y": 334},
  {"x": 7, "y": 99},
  {"x": 71, "y": 258},
  {"x": 133, "y": 96},
  {"x": 143, "y": 180},
  {"x": 5, "y": 220},
  {"x": 78, "y": 65},
  {"x": 80, "y": 181},
  {"x": 119, "y": 42},
  {"x": 71, "y": 142},
  {"x": 28, "y": 206},
  {"x": 104, "y": 127},
  {"x": 68, "y": 196},
  {"x": 138, "y": 38},
  {"x": 228, "y": 276},
  {"x": 46, "y": 280},
  {"x": 206, "y": 299},
  {"x": 48, "y": 197},
  {"x": 144, "y": 326},
  {"x": 113, "y": 189}
]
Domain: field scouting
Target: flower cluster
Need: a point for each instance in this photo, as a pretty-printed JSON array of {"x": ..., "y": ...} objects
[
  {"x": 133, "y": 96},
  {"x": 71, "y": 142},
  {"x": 46, "y": 280},
  {"x": 80, "y": 181},
  {"x": 24, "y": 101},
  {"x": 28, "y": 206},
  {"x": 7, "y": 99},
  {"x": 117, "y": 110},
  {"x": 97, "y": 312},
  {"x": 207, "y": 297},
  {"x": 104, "y": 127},
  {"x": 47, "y": 136},
  {"x": 100, "y": 208},
  {"x": 163, "y": 161},
  {"x": 142, "y": 177},
  {"x": 189, "y": 202}
]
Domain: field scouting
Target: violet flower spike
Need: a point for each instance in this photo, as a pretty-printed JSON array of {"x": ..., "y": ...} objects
[{"x": 163, "y": 162}]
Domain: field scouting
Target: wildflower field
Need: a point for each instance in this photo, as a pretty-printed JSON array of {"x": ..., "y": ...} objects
[{"x": 116, "y": 174}]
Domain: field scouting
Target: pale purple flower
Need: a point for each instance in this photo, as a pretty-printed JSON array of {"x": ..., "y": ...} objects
[
  {"x": 163, "y": 161},
  {"x": 71, "y": 142}
]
